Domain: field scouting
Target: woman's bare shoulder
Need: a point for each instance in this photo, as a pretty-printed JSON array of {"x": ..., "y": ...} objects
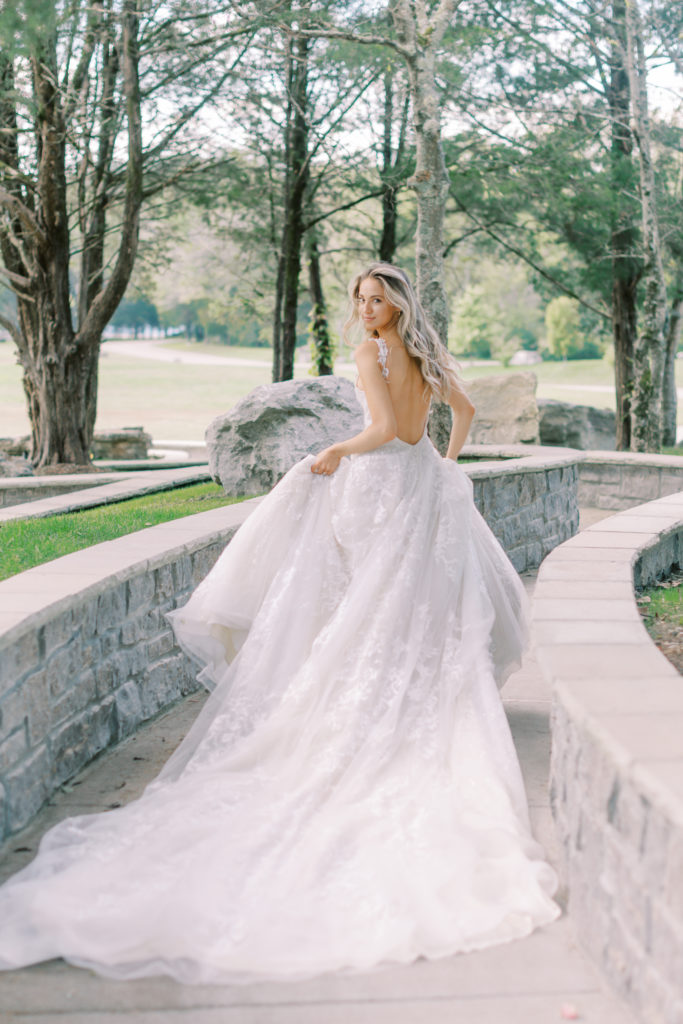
[
  {"x": 366, "y": 351},
  {"x": 366, "y": 345}
]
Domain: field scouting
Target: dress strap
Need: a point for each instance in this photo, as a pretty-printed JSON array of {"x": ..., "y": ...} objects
[{"x": 382, "y": 354}]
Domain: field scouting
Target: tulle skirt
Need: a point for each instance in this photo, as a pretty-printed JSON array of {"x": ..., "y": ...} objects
[{"x": 349, "y": 795}]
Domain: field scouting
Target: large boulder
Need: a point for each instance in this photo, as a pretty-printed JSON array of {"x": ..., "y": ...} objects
[
  {"x": 577, "y": 426},
  {"x": 506, "y": 410},
  {"x": 252, "y": 446}
]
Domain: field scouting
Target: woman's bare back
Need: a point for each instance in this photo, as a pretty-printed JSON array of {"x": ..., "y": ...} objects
[{"x": 406, "y": 385}]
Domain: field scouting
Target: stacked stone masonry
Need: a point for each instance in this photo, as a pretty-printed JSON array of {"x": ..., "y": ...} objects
[
  {"x": 529, "y": 512},
  {"x": 85, "y": 678},
  {"x": 621, "y": 480},
  {"x": 617, "y": 759},
  {"x": 81, "y": 668}
]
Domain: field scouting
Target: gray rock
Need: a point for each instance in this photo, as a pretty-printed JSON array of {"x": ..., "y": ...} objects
[
  {"x": 577, "y": 426},
  {"x": 16, "y": 445},
  {"x": 506, "y": 410},
  {"x": 440, "y": 423},
  {"x": 127, "y": 443},
  {"x": 11, "y": 466},
  {"x": 263, "y": 436}
]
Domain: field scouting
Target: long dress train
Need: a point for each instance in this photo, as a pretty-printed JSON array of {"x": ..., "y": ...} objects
[{"x": 350, "y": 794}]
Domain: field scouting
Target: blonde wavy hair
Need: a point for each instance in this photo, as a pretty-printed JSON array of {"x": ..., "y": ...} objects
[{"x": 438, "y": 367}]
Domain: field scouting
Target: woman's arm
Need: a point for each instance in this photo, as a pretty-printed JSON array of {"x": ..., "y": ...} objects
[
  {"x": 382, "y": 427},
  {"x": 463, "y": 411}
]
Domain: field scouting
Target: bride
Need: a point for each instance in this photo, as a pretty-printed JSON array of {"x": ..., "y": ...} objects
[{"x": 349, "y": 795}]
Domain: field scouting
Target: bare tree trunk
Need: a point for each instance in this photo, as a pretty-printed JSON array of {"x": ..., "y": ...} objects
[
  {"x": 420, "y": 34},
  {"x": 59, "y": 362},
  {"x": 323, "y": 348},
  {"x": 392, "y": 166},
  {"x": 280, "y": 278},
  {"x": 79, "y": 121},
  {"x": 625, "y": 264},
  {"x": 673, "y": 336},
  {"x": 296, "y": 181},
  {"x": 387, "y": 243},
  {"x": 648, "y": 356}
]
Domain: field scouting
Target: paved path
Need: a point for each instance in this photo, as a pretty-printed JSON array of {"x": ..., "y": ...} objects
[
  {"x": 538, "y": 980},
  {"x": 161, "y": 352}
]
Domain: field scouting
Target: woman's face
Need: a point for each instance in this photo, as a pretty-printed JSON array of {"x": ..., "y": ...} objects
[{"x": 373, "y": 308}]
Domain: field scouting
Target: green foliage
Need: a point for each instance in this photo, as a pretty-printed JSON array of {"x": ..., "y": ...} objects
[
  {"x": 31, "y": 542},
  {"x": 562, "y": 326},
  {"x": 496, "y": 313},
  {"x": 321, "y": 343},
  {"x": 661, "y": 607},
  {"x": 572, "y": 332},
  {"x": 136, "y": 313}
]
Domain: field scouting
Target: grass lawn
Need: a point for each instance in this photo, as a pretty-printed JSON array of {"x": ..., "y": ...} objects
[
  {"x": 263, "y": 355},
  {"x": 30, "y": 542},
  {"x": 177, "y": 401},
  {"x": 661, "y": 607}
]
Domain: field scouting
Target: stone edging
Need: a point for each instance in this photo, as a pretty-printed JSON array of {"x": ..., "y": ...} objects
[
  {"x": 73, "y": 492},
  {"x": 617, "y": 752}
]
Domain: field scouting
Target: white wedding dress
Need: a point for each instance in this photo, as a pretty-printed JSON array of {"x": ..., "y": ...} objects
[{"x": 349, "y": 795}]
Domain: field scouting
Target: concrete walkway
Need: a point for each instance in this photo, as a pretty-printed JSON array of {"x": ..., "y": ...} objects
[{"x": 538, "y": 980}]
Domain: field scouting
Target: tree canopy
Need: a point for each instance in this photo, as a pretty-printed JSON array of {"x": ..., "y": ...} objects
[{"x": 232, "y": 163}]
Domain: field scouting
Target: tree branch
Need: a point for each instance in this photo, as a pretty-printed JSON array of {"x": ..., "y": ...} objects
[
  {"x": 338, "y": 209},
  {"x": 12, "y": 329},
  {"x": 18, "y": 280},
  {"x": 353, "y": 37},
  {"x": 106, "y": 301},
  {"x": 527, "y": 259},
  {"x": 20, "y": 210}
]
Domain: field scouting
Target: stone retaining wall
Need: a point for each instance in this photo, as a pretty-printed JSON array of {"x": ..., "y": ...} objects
[
  {"x": 617, "y": 752},
  {"x": 530, "y": 504},
  {"x": 20, "y": 489},
  {"x": 620, "y": 480},
  {"x": 86, "y": 654},
  {"x": 82, "y": 672}
]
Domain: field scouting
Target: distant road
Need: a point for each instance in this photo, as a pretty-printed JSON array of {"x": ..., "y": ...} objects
[{"x": 157, "y": 350}]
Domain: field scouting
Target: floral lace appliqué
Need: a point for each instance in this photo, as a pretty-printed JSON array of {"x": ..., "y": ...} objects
[{"x": 382, "y": 356}]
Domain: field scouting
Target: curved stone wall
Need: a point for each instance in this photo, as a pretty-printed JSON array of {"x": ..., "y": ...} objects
[
  {"x": 530, "y": 503},
  {"x": 617, "y": 752},
  {"x": 86, "y": 654}
]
